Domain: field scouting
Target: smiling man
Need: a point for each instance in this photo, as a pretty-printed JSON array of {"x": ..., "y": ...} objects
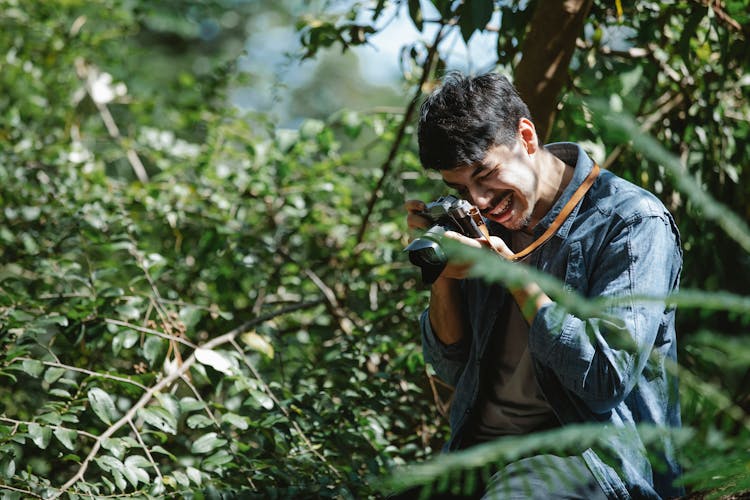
[{"x": 519, "y": 362}]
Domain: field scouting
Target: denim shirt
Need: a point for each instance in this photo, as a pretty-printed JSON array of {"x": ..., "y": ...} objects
[{"x": 619, "y": 241}]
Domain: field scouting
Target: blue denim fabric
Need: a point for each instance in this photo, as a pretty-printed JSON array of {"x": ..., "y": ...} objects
[{"x": 620, "y": 241}]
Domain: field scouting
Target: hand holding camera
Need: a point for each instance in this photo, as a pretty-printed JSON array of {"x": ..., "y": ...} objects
[{"x": 447, "y": 217}]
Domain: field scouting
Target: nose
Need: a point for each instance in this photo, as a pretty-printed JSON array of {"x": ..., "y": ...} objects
[{"x": 480, "y": 196}]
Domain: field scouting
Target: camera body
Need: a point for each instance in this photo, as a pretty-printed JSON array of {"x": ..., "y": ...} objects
[{"x": 447, "y": 213}]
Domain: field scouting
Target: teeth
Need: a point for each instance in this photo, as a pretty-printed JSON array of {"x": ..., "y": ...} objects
[{"x": 504, "y": 206}]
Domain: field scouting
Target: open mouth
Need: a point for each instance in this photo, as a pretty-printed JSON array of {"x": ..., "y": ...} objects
[{"x": 502, "y": 209}]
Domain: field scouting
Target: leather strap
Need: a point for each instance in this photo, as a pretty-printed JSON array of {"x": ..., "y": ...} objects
[{"x": 552, "y": 229}]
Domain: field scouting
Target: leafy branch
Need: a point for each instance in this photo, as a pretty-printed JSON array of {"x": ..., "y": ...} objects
[
  {"x": 430, "y": 59},
  {"x": 166, "y": 382}
]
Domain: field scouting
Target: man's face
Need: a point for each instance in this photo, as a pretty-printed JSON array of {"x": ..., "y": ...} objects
[{"x": 503, "y": 186}]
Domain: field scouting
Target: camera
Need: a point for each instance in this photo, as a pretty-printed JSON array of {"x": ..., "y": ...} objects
[{"x": 447, "y": 213}]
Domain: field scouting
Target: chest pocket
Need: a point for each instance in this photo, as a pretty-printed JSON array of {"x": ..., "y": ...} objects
[{"x": 575, "y": 270}]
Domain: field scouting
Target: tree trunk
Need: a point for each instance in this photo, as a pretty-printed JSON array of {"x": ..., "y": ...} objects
[{"x": 546, "y": 53}]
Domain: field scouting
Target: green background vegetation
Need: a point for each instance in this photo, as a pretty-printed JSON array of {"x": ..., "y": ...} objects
[{"x": 198, "y": 299}]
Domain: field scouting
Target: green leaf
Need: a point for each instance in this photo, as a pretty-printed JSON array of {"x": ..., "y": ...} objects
[
  {"x": 8, "y": 466},
  {"x": 102, "y": 405},
  {"x": 207, "y": 443},
  {"x": 160, "y": 449},
  {"x": 194, "y": 475},
  {"x": 53, "y": 373},
  {"x": 258, "y": 398},
  {"x": 60, "y": 393},
  {"x": 128, "y": 312},
  {"x": 124, "y": 340},
  {"x": 198, "y": 421},
  {"x": 189, "y": 404},
  {"x": 116, "y": 446},
  {"x": 32, "y": 367},
  {"x": 39, "y": 434},
  {"x": 219, "y": 458},
  {"x": 258, "y": 343},
  {"x": 415, "y": 13},
  {"x": 474, "y": 16},
  {"x": 50, "y": 417},
  {"x": 134, "y": 470},
  {"x": 159, "y": 418},
  {"x": 216, "y": 360},
  {"x": 443, "y": 6},
  {"x": 111, "y": 292},
  {"x": 107, "y": 463},
  {"x": 181, "y": 478},
  {"x": 114, "y": 467},
  {"x": 66, "y": 436},
  {"x": 235, "y": 420},
  {"x": 191, "y": 315},
  {"x": 154, "y": 350}
]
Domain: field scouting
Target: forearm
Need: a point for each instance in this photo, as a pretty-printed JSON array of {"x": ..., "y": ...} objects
[
  {"x": 446, "y": 314},
  {"x": 530, "y": 298}
]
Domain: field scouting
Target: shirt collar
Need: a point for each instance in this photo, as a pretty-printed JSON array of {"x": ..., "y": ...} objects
[{"x": 572, "y": 154}]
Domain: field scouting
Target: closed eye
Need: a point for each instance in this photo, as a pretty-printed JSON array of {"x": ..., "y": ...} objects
[
  {"x": 457, "y": 187},
  {"x": 487, "y": 175}
]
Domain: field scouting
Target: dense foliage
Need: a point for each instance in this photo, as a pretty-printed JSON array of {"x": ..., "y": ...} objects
[{"x": 196, "y": 302}]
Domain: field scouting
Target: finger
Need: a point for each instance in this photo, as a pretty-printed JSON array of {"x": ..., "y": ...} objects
[
  {"x": 415, "y": 206},
  {"x": 472, "y": 242},
  {"x": 501, "y": 246},
  {"x": 415, "y": 221}
]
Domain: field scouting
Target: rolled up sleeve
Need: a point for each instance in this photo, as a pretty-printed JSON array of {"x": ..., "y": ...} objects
[
  {"x": 601, "y": 358},
  {"x": 447, "y": 360}
]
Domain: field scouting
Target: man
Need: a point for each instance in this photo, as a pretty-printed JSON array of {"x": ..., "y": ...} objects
[{"x": 519, "y": 362}]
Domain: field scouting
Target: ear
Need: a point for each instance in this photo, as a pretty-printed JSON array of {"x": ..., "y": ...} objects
[{"x": 527, "y": 134}]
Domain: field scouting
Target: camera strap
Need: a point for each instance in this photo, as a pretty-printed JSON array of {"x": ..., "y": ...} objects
[{"x": 552, "y": 229}]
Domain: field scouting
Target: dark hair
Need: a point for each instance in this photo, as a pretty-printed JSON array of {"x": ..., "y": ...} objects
[{"x": 463, "y": 119}]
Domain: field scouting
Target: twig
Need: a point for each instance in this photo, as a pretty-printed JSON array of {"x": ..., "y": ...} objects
[
  {"x": 52, "y": 426},
  {"x": 271, "y": 395},
  {"x": 109, "y": 122},
  {"x": 630, "y": 53},
  {"x": 332, "y": 303},
  {"x": 646, "y": 125},
  {"x": 150, "y": 331},
  {"x": 19, "y": 490},
  {"x": 395, "y": 146},
  {"x": 716, "y": 6},
  {"x": 167, "y": 381},
  {"x": 442, "y": 406},
  {"x": 145, "y": 449},
  {"x": 213, "y": 418},
  {"x": 87, "y": 372}
]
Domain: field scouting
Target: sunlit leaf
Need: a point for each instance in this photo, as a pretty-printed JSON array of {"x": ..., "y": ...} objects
[
  {"x": 258, "y": 343},
  {"x": 215, "y": 360},
  {"x": 102, "y": 405},
  {"x": 32, "y": 367},
  {"x": 235, "y": 420},
  {"x": 159, "y": 418},
  {"x": 135, "y": 469},
  {"x": 194, "y": 475},
  {"x": 207, "y": 443},
  {"x": 198, "y": 421}
]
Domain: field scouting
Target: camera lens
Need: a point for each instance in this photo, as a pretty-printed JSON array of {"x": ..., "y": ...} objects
[
  {"x": 427, "y": 256},
  {"x": 427, "y": 253}
]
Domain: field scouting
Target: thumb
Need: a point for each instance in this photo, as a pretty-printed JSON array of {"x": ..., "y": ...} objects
[{"x": 501, "y": 247}]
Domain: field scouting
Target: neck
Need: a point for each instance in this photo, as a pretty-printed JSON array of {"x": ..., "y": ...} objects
[{"x": 554, "y": 177}]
